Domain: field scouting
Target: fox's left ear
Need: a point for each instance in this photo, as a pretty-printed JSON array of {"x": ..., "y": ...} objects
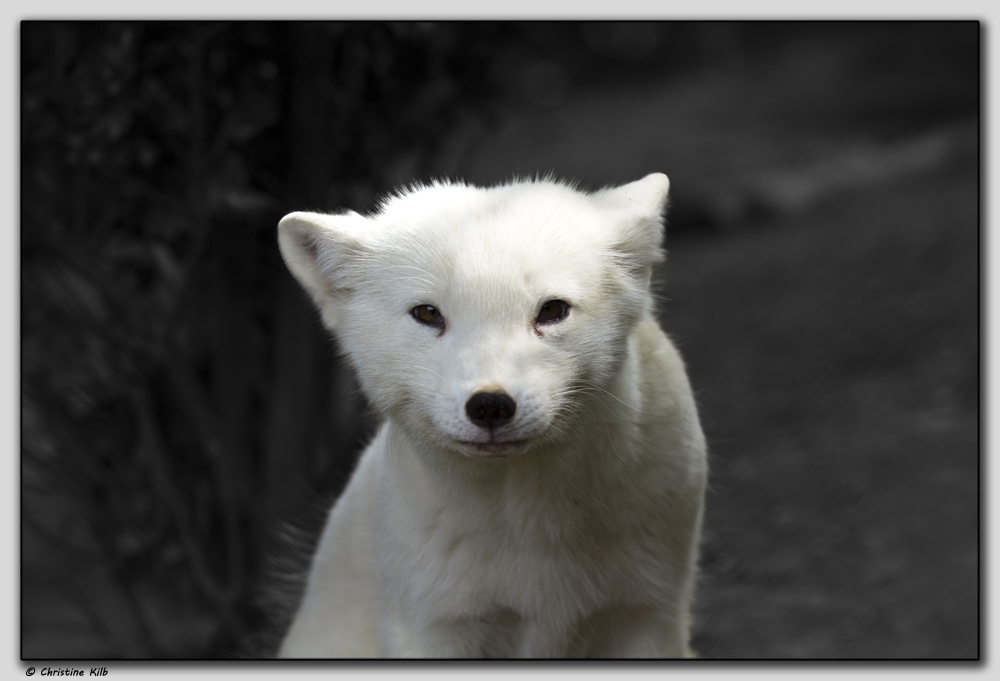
[{"x": 639, "y": 206}]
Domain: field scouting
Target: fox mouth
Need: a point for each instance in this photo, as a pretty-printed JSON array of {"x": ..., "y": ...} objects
[{"x": 491, "y": 449}]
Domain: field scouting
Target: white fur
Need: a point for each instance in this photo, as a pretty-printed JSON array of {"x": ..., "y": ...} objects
[{"x": 572, "y": 530}]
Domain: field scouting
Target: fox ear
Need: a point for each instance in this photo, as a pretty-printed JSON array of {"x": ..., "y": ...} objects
[
  {"x": 640, "y": 206},
  {"x": 321, "y": 252},
  {"x": 647, "y": 195}
]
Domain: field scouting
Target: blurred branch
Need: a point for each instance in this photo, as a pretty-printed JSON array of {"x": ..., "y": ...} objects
[
  {"x": 199, "y": 412},
  {"x": 156, "y": 453},
  {"x": 98, "y": 621}
]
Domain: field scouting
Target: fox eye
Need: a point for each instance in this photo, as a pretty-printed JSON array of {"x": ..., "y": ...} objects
[
  {"x": 552, "y": 311},
  {"x": 427, "y": 314}
]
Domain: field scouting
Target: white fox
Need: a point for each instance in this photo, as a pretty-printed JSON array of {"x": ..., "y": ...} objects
[{"x": 536, "y": 487}]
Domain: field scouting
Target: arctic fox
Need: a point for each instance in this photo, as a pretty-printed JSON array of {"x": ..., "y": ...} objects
[{"x": 536, "y": 487}]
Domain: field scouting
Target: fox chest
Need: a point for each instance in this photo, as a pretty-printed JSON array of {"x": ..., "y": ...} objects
[{"x": 542, "y": 568}]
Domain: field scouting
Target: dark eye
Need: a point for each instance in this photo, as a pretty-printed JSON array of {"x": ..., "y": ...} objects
[
  {"x": 552, "y": 311},
  {"x": 427, "y": 314}
]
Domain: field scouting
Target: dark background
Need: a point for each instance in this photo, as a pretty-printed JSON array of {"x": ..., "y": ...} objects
[{"x": 185, "y": 420}]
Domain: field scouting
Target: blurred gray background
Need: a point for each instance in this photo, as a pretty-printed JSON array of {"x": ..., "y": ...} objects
[{"x": 186, "y": 422}]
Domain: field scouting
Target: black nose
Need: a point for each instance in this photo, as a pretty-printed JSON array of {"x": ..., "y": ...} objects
[{"x": 490, "y": 410}]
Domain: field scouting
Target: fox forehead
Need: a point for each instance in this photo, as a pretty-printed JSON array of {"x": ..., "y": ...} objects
[
  {"x": 507, "y": 216},
  {"x": 494, "y": 282},
  {"x": 490, "y": 256},
  {"x": 512, "y": 246}
]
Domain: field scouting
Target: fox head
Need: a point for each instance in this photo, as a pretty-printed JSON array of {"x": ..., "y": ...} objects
[{"x": 480, "y": 320}]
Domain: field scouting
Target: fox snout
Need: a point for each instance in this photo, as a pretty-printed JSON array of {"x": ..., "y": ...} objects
[{"x": 490, "y": 409}]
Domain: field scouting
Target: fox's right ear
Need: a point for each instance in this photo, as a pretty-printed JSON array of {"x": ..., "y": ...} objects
[{"x": 322, "y": 251}]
